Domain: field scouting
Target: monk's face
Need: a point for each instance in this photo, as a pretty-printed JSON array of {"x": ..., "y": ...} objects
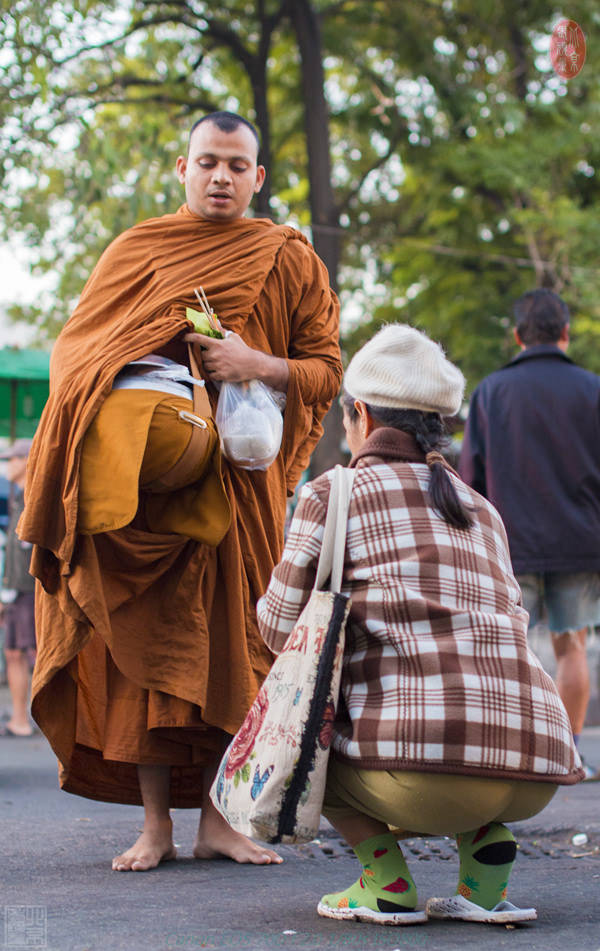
[{"x": 220, "y": 173}]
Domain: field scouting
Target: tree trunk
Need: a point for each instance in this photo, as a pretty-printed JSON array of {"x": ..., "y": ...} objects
[
  {"x": 324, "y": 214},
  {"x": 258, "y": 80}
]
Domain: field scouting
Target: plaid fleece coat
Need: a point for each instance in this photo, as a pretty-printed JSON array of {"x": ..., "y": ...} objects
[{"x": 437, "y": 672}]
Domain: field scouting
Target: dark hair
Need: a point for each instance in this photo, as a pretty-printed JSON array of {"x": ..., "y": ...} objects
[
  {"x": 540, "y": 317},
  {"x": 430, "y": 435},
  {"x": 226, "y": 122}
]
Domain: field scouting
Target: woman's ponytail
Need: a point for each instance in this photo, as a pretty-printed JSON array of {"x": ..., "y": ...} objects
[
  {"x": 443, "y": 494},
  {"x": 429, "y": 433}
]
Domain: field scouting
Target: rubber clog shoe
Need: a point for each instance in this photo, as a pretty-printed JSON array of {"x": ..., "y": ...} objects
[
  {"x": 461, "y": 909},
  {"x": 362, "y": 913},
  {"x": 592, "y": 773}
]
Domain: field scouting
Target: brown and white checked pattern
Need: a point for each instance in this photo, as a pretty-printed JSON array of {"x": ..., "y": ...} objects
[{"x": 437, "y": 672}]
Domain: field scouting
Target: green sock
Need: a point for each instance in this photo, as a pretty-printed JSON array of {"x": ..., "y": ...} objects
[
  {"x": 385, "y": 883},
  {"x": 486, "y": 859}
]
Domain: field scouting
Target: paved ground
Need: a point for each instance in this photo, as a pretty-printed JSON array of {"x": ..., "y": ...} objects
[{"x": 56, "y": 884}]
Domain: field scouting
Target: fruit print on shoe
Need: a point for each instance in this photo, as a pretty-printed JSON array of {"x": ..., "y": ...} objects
[
  {"x": 385, "y": 884},
  {"x": 399, "y": 886},
  {"x": 468, "y": 886},
  {"x": 480, "y": 834},
  {"x": 348, "y": 903},
  {"x": 486, "y": 858}
]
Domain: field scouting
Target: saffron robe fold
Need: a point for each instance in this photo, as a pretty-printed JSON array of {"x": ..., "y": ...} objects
[{"x": 176, "y": 618}]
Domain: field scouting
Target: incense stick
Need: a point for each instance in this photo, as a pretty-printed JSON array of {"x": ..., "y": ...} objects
[{"x": 206, "y": 308}]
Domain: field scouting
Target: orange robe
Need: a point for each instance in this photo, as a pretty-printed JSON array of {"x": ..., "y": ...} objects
[{"x": 131, "y": 610}]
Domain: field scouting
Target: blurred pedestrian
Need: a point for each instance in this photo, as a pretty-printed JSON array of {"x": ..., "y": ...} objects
[
  {"x": 17, "y": 598},
  {"x": 532, "y": 447},
  {"x": 447, "y": 724}
]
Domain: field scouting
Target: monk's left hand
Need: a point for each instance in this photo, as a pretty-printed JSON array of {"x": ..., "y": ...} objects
[{"x": 229, "y": 360}]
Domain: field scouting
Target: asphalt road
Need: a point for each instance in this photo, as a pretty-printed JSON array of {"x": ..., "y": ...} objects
[{"x": 57, "y": 888}]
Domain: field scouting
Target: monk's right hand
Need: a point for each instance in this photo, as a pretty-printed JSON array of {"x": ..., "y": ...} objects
[
  {"x": 229, "y": 360},
  {"x": 197, "y": 340}
]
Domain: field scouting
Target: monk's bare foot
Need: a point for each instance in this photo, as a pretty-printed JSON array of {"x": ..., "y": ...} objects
[
  {"x": 155, "y": 845},
  {"x": 216, "y": 839}
]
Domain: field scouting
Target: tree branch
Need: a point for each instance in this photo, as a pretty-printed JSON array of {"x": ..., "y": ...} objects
[
  {"x": 142, "y": 25},
  {"x": 348, "y": 198},
  {"x": 269, "y": 24},
  {"x": 221, "y": 32},
  {"x": 189, "y": 105},
  {"x": 532, "y": 263}
]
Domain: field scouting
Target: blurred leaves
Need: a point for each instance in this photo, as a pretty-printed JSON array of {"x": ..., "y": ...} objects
[{"x": 465, "y": 172}]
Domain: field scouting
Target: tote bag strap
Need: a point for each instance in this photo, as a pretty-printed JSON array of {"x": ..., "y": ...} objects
[{"x": 331, "y": 559}]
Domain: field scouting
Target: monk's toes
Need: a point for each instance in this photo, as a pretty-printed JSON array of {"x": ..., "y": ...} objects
[
  {"x": 143, "y": 861},
  {"x": 122, "y": 863},
  {"x": 132, "y": 863},
  {"x": 267, "y": 857},
  {"x": 273, "y": 857},
  {"x": 257, "y": 856}
]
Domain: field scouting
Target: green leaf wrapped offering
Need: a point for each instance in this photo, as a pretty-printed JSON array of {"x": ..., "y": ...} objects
[
  {"x": 205, "y": 321},
  {"x": 202, "y": 324}
]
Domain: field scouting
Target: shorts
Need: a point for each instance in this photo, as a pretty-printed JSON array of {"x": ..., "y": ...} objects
[
  {"x": 19, "y": 618},
  {"x": 430, "y": 803},
  {"x": 566, "y": 602}
]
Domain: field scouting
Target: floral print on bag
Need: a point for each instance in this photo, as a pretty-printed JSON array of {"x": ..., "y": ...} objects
[{"x": 243, "y": 743}]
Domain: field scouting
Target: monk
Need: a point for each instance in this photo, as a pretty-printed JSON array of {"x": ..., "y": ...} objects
[{"x": 149, "y": 654}]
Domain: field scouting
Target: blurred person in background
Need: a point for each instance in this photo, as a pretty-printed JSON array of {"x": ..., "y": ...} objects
[
  {"x": 17, "y": 597},
  {"x": 532, "y": 447}
]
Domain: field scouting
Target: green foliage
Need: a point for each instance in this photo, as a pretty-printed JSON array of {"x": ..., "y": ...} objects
[
  {"x": 500, "y": 185},
  {"x": 464, "y": 170}
]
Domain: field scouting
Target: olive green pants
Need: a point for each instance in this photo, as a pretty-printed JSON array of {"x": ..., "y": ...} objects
[{"x": 430, "y": 803}]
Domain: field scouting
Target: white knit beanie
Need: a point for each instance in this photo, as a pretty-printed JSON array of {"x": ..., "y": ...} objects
[{"x": 401, "y": 368}]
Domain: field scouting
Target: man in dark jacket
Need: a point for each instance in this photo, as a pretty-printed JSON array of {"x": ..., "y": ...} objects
[
  {"x": 17, "y": 596},
  {"x": 532, "y": 447}
]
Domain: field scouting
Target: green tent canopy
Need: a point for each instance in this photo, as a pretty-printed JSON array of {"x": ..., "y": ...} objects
[{"x": 24, "y": 376}]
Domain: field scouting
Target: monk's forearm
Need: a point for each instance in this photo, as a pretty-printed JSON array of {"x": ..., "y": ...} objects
[
  {"x": 313, "y": 384},
  {"x": 274, "y": 371},
  {"x": 318, "y": 379}
]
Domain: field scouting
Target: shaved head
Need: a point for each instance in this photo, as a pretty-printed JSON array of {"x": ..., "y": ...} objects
[{"x": 226, "y": 122}]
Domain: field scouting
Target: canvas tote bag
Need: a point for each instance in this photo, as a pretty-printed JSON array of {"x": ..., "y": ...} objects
[{"x": 271, "y": 780}]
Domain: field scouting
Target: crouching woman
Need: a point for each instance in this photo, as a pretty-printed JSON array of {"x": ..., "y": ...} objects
[{"x": 447, "y": 724}]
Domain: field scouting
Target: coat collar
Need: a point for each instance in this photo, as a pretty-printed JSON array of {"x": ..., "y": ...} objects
[
  {"x": 539, "y": 350},
  {"x": 387, "y": 443}
]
